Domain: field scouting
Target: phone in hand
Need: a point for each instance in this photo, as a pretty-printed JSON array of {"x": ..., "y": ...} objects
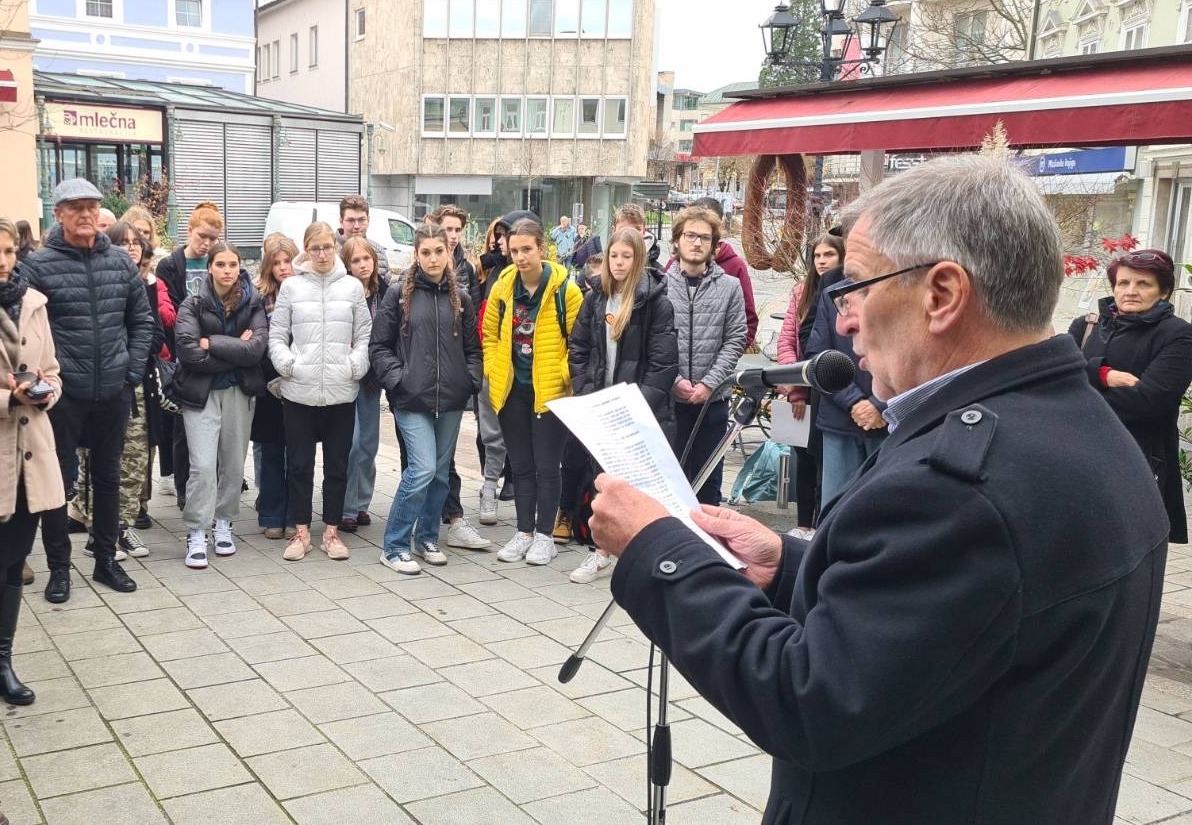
[{"x": 39, "y": 390}]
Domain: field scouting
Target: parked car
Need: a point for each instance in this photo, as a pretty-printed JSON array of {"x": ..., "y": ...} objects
[{"x": 393, "y": 231}]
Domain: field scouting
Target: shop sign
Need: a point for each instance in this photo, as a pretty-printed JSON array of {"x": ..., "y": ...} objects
[
  {"x": 1081, "y": 161},
  {"x": 113, "y": 123}
]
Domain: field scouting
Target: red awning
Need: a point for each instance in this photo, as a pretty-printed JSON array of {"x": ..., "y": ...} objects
[
  {"x": 8, "y": 87},
  {"x": 1135, "y": 99}
]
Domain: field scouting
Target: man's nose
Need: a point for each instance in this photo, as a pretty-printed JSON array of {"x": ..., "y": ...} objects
[{"x": 846, "y": 324}]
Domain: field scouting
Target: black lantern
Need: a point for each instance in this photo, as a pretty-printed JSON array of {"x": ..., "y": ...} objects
[
  {"x": 777, "y": 32},
  {"x": 876, "y": 25}
]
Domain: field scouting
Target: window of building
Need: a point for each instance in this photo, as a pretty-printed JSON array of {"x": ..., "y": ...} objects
[
  {"x": 432, "y": 116},
  {"x": 1186, "y": 23},
  {"x": 566, "y": 18},
  {"x": 1089, "y": 48},
  {"x": 536, "y": 108},
  {"x": 314, "y": 46},
  {"x": 359, "y": 19},
  {"x": 263, "y": 63},
  {"x": 459, "y": 116},
  {"x": 488, "y": 18},
  {"x": 541, "y": 19},
  {"x": 511, "y": 113},
  {"x": 513, "y": 19},
  {"x": 1134, "y": 37},
  {"x": 434, "y": 18},
  {"x": 684, "y": 146},
  {"x": 685, "y": 125},
  {"x": 294, "y": 53},
  {"x": 485, "y": 116},
  {"x": 589, "y": 116},
  {"x": 686, "y": 103},
  {"x": 461, "y": 18},
  {"x": 620, "y": 18},
  {"x": 99, "y": 8},
  {"x": 275, "y": 60},
  {"x": 615, "y": 109},
  {"x": 592, "y": 17},
  {"x": 562, "y": 122},
  {"x": 968, "y": 30},
  {"x": 189, "y": 13}
]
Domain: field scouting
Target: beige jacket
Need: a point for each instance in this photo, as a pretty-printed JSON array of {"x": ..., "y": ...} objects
[{"x": 26, "y": 438}]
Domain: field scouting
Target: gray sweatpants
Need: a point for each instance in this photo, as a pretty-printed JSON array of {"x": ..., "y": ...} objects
[
  {"x": 490, "y": 437},
  {"x": 217, "y": 438}
]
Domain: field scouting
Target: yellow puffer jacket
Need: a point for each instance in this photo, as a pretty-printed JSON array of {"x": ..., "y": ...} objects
[{"x": 551, "y": 375}]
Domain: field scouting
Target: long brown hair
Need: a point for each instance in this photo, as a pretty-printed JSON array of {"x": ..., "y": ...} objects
[
  {"x": 423, "y": 234},
  {"x": 490, "y": 243},
  {"x": 348, "y": 251},
  {"x": 275, "y": 244},
  {"x": 628, "y": 288},
  {"x": 811, "y": 283},
  {"x": 236, "y": 293}
]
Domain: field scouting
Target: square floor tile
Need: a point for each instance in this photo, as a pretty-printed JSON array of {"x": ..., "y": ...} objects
[
  {"x": 122, "y": 701},
  {"x": 481, "y": 805},
  {"x": 176, "y": 773},
  {"x": 239, "y": 805},
  {"x": 215, "y": 669},
  {"x": 158, "y": 732},
  {"x": 362, "y": 803},
  {"x": 329, "y": 703},
  {"x": 120, "y": 805},
  {"x": 420, "y": 774},
  {"x": 368, "y": 737},
  {"x": 66, "y": 772},
  {"x": 303, "y": 771},
  {"x": 474, "y": 737},
  {"x": 297, "y": 674},
  {"x": 268, "y": 732},
  {"x": 237, "y": 699},
  {"x": 56, "y": 731},
  {"x": 120, "y": 669},
  {"x": 538, "y": 773},
  {"x": 271, "y": 647}
]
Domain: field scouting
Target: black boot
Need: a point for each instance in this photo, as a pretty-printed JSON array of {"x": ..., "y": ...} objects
[
  {"x": 108, "y": 571},
  {"x": 506, "y": 493},
  {"x": 58, "y": 587},
  {"x": 11, "y": 689}
]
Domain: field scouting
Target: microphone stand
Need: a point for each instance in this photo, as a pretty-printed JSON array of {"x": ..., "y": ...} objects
[{"x": 659, "y": 760}]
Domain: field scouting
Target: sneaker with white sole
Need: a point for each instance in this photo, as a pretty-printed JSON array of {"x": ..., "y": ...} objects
[
  {"x": 430, "y": 553},
  {"x": 130, "y": 542},
  {"x": 542, "y": 550},
  {"x": 462, "y": 534},
  {"x": 196, "y": 549},
  {"x": 594, "y": 566},
  {"x": 89, "y": 550},
  {"x": 488, "y": 505},
  {"x": 515, "y": 549},
  {"x": 403, "y": 563},
  {"x": 224, "y": 544},
  {"x": 805, "y": 533}
]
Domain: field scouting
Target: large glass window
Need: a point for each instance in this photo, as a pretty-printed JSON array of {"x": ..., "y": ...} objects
[
  {"x": 459, "y": 116},
  {"x": 488, "y": 18},
  {"x": 434, "y": 18},
  {"x": 536, "y": 116},
  {"x": 432, "y": 116},
  {"x": 614, "y": 115},
  {"x": 461, "y": 18},
  {"x": 189, "y": 12},
  {"x": 566, "y": 18},
  {"x": 620, "y": 18},
  {"x": 592, "y": 15},
  {"x": 485, "y": 112},
  {"x": 589, "y": 116},
  {"x": 511, "y": 112},
  {"x": 563, "y": 117},
  {"x": 513, "y": 18},
  {"x": 541, "y": 18}
]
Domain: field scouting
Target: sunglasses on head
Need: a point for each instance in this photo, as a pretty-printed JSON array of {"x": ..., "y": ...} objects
[{"x": 1144, "y": 258}]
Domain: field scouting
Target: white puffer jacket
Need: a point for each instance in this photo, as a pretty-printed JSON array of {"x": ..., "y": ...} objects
[{"x": 318, "y": 335}]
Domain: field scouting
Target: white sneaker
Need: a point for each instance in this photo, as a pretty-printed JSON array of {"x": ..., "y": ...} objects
[
  {"x": 515, "y": 549},
  {"x": 89, "y": 550},
  {"x": 403, "y": 563},
  {"x": 196, "y": 549},
  {"x": 224, "y": 545},
  {"x": 430, "y": 553},
  {"x": 165, "y": 487},
  {"x": 462, "y": 534},
  {"x": 805, "y": 533},
  {"x": 542, "y": 550},
  {"x": 594, "y": 566},
  {"x": 488, "y": 505}
]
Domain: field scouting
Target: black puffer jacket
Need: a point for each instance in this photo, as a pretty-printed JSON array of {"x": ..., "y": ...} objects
[
  {"x": 433, "y": 365},
  {"x": 647, "y": 354},
  {"x": 202, "y": 316},
  {"x": 99, "y": 314}
]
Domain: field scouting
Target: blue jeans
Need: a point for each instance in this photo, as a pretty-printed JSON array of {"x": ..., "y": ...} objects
[
  {"x": 430, "y": 444},
  {"x": 362, "y": 460},
  {"x": 270, "y": 461},
  {"x": 843, "y": 456}
]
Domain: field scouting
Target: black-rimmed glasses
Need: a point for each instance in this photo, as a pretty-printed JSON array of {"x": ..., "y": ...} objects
[{"x": 839, "y": 292}]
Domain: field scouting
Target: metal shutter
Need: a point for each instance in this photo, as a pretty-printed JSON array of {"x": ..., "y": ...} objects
[
  {"x": 296, "y": 171},
  {"x": 250, "y": 182},
  {"x": 198, "y": 168},
  {"x": 338, "y": 165}
]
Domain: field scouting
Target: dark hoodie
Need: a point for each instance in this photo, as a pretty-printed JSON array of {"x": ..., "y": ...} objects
[{"x": 493, "y": 260}]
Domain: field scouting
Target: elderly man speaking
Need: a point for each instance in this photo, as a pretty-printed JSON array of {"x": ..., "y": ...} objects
[{"x": 965, "y": 638}]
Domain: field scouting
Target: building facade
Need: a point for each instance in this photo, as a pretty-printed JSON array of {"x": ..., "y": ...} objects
[
  {"x": 541, "y": 104},
  {"x": 18, "y": 119},
  {"x": 201, "y": 42},
  {"x": 302, "y": 51}
]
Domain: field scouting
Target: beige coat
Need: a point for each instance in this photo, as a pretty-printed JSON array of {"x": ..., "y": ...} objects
[{"x": 26, "y": 438}]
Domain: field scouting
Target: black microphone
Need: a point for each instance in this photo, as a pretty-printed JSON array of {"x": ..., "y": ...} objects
[{"x": 830, "y": 371}]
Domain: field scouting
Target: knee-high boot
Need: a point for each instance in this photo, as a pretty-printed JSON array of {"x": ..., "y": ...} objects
[{"x": 11, "y": 688}]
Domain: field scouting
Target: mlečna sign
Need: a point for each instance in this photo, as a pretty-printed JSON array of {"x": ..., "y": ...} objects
[{"x": 1079, "y": 161}]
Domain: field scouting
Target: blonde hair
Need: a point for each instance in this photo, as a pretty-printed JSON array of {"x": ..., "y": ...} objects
[
  {"x": 627, "y": 288},
  {"x": 315, "y": 230},
  {"x": 275, "y": 244},
  {"x": 140, "y": 213}
]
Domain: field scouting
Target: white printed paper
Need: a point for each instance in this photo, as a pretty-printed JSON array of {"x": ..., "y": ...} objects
[
  {"x": 620, "y": 431},
  {"x": 785, "y": 428}
]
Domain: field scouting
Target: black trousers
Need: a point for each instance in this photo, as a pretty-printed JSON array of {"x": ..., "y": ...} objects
[
  {"x": 101, "y": 425},
  {"x": 711, "y": 430},
  {"x": 16, "y": 539},
  {"x": 535, "y": 445},
  {"x": 181, "y": 456},
  {"x": 305, "y": 427}
]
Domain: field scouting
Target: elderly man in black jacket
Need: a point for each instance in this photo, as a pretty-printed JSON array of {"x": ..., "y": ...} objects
[
  {"x": 102, "y": 327},
  {"x": 966, "y": 636}
]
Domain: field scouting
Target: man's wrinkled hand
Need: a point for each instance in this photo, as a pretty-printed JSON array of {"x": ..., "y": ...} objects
[
  {"x": 748, "y": 539},
  {"x": 619, "y": 512}
]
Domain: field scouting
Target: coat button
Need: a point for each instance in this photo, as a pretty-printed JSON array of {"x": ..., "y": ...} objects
[
  {"x": 24, "y": 419},
  {"x": 23, "y": 368},
  {"x": 668, "y": 567},
  {"x": 28, "y": 456},
  {"x": 24, "y": 342},
  {"x": 970, "y": 416}
]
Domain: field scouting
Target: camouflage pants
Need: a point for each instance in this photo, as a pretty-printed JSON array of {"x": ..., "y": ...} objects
[{"x": 136, "y": 463}]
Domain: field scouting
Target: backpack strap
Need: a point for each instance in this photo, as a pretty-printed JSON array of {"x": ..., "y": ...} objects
[
  {"x": 561, "y": 308},
  {"x": 1090, "y": 323}
]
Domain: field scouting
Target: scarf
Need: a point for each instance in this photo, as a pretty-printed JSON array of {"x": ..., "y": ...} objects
[{"x": 11, "y": 293}]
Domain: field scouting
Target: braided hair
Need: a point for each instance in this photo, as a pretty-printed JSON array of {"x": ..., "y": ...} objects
[{"x": 426, "y": 232}]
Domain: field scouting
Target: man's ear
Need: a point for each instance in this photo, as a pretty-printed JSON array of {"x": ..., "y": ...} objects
[{"x": 949, "y": 295}]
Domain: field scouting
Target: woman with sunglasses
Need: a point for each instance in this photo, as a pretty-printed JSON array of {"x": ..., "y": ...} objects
[{"x": 1139, "y": 357}]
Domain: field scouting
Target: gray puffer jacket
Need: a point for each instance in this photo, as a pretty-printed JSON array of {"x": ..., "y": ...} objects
[
  {"x": 318, "y": 336},
  {"x": 99, "y": 314},
  {"x": 710, "y": 320}
]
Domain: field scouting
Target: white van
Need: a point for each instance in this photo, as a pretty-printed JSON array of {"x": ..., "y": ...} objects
[{"x": 391, "y": 230}]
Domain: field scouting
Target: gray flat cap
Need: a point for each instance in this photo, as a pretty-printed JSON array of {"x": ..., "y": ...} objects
[{"x": 75, "y": 189}]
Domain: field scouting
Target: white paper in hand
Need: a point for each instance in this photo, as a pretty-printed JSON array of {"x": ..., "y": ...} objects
[{"x": 620, "y": 431}]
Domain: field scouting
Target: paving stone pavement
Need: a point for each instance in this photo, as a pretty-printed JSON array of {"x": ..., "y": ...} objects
[{"x": 260, "y": 691}]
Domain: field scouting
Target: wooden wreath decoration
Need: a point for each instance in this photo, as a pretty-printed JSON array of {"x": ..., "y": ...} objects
[{"x": 790, "y": 240}]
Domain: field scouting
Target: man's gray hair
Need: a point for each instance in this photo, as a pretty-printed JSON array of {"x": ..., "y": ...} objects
[{"x": 981, "y": 213}]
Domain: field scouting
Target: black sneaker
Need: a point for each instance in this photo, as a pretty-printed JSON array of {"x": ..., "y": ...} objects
[
  {"x": 58, "y": 587},
  {"x": 506, "y": 493},
  {"x": 109, "y": 572},
  {"x": 143, "y": 522},
  {"x": 73, "y": 525}
]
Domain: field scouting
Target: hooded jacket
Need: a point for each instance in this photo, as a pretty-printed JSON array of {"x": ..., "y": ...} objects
[
  {"x": 318, "y": 335},
  {"x": 228, "y": 360},
  {"x": 710, "y": 320},
  {"x": 434, "y": 363},
  {"x": 99, "y": 314},
  {"x": 733, "y": 264}
]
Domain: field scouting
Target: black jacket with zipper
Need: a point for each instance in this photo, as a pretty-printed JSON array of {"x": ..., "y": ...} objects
[{"x": 434, "y": 363}]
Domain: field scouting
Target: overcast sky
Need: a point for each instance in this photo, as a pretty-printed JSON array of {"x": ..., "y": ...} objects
[{"x": 707, "y": 49}]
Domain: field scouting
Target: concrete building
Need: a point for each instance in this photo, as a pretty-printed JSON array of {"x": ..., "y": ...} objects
[
  {"x": 201, "y": 42},
  {"x": 950, "y": 34},
  {"x": 302, "y": 51},
  {"x": 546, "y": 104},
  {"x": 18, "y": 119}
]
